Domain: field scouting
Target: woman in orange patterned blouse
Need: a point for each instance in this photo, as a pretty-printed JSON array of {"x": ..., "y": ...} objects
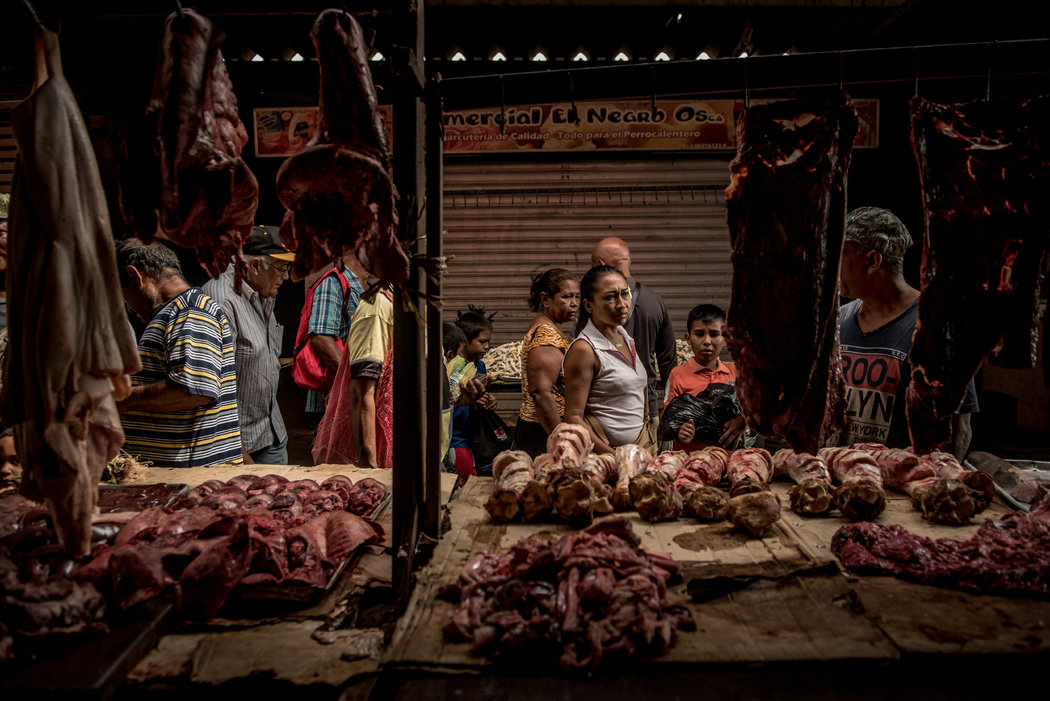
[{"x": 555, "y": 297}]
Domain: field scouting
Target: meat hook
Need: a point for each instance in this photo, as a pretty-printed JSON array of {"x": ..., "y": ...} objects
[
  {"x": 36, "y": 17},
  {"x": 652, "y": 97},
  {"x": 572, "y": 100},
  {"x": 988, "y": 84},
  {"x": 502, "y": 106}
]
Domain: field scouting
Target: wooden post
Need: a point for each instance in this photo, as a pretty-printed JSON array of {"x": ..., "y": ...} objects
[{"x": 409, "y": 423}]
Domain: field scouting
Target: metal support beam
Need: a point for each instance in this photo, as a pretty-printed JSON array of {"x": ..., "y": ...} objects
[
  {"x": 409, "y": 177},
  {"x": 434, "y": 159}
]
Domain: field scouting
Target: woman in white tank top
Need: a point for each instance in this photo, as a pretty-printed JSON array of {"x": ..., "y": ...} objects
[{"x": 605, "y": 380}]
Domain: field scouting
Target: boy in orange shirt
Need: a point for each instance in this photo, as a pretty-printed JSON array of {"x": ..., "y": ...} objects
[{"x": 706, "y": 323}]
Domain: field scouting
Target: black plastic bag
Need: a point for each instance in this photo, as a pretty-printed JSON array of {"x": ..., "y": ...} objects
[
  {"x": 709, "y": 411},
  {"x": 487, "y": 435}
]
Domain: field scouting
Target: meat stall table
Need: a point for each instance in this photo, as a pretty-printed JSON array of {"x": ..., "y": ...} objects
[
  {"x": 280, "y": 646},
  {"x": 765, "y": 610}
]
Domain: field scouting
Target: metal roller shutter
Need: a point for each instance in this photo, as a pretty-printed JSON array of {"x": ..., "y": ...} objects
[{"x": 507, "y": 221}]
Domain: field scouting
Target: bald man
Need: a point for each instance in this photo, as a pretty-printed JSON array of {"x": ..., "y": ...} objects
[{"x": 649, "y": 324}]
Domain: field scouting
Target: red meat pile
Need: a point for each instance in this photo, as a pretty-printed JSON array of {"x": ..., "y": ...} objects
[
  {"x": 219, "y": 536},
  {"x": 591, "y": 596},
  {"x": 1007, "y": 555}
]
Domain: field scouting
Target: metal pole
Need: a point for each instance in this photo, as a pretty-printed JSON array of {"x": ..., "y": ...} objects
[
  {"x": 409, "y": 425},
  {"x": 434, "y": 160}
]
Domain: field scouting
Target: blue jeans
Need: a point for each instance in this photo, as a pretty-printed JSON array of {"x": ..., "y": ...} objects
[{"x": 276, "y": 454}]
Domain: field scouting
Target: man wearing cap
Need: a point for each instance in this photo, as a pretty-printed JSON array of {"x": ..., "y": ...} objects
[
  {"x": 257, "y": 338},
  {"x": 182, "y": 410},
  {"x": 875, "y": 331}
]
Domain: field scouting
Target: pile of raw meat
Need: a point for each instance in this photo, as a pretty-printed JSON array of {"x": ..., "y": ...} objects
[
  {"x": 245, "y": 532},
  {"x": 39, "y": 602},
  {"x": 589, "y": 597},
  {"x": 1007, "y": 555}
]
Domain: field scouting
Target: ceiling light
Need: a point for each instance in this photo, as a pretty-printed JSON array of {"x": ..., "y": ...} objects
[
  {"x": 539, "y": 56},
  {"x": 377, "y": 56},
  {"x": 743, "y": 54},
  {"x": 297, "y": 57},
  {"x": 703, "y": 56},
  {"x": 662, "y": 56},
  {"x": 458, "y": 56},
  {"x": 498, "y": 56},
  {"x": 621, "y": 57},
  {"x": 257, "y": 57},
  {"x": 580, "y": 56}
]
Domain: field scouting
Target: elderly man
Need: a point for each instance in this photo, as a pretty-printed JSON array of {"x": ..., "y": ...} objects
[
  {"x": 876, "y": 330},
  {"x": 257, "y": 338},
  {"x": 182, "y": 410},
  {"x": 649, "y": 323}
]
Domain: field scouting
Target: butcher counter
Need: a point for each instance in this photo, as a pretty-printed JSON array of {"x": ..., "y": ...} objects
[{"x": 790, "y": 623}]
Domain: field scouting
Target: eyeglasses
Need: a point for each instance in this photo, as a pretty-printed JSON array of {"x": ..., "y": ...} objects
[{"x": 280, "y": 268}]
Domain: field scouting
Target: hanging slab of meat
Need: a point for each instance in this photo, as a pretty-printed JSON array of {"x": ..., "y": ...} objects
[
  {"x": 787, "y": 214},
  {"x": 811, "y": 495},
  {"x": 338, "y": 190},
  {"x": 182, "y": 175},
  {"x": 859, "y": 494},
  {"x": 1007, "y": 555},
  {"x": 984, "y": 168},
  {"x": 592, "y": 596},
  {"x": 511, "y": 472},
  {"x": 70, "y": 347},
  {"x": 939, "y": 500}
]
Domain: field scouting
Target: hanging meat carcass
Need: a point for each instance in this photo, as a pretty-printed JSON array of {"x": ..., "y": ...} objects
[
  {"x": 787, "y": 213},
  {"x": 985, "y": 169},
  {"x": 338, "y": 190},
  {"x": 70, "y": 346},
  {"x": 182, "y": 176}
]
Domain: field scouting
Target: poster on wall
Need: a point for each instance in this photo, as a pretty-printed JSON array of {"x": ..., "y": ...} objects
[{"x": 285, "y": 131}]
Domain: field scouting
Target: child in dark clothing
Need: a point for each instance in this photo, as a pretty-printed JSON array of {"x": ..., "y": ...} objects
[
  {"x": 477, "y": 328},
  {"x": 706, "y": 323}
]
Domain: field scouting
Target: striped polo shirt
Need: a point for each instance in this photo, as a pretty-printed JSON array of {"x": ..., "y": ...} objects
[
  {"x": 257, "y": 337},
  {"x": 189, "y": 345}
]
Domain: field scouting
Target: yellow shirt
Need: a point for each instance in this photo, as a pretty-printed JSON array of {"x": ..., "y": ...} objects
[{"x": 542, "y": 335}]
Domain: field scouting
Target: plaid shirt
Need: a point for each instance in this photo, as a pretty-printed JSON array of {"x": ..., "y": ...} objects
[{"x": 330, "y": 317}]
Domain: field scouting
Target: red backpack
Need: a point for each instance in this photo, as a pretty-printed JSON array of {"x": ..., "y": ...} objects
[{"x": 308, "y": 370}]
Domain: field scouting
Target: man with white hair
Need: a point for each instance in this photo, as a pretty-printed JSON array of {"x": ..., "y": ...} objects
[
  {"x": 875, "y": 331},
  {"x": 257, "y": 338}
]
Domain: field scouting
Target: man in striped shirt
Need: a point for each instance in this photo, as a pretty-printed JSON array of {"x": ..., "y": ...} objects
[
  {"x": 182, "y": 410},
  {"x": 257, "y": 337}
]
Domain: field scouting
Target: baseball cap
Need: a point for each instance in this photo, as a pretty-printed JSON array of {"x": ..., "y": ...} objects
[{"x": 263, "y": 242}]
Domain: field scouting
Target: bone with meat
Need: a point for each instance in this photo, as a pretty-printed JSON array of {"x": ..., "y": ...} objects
[
  {"x": 182, "y": 175},
  {"x": 70, "y": 346},
  {"x": 696, "y": 481},
  {"x": 536, "y": 497},
  {"x": 859, "y": 494},
  {"x": 983, "y": 169},
  {"x": 631, "y": 460},
  {"x": 653, "y": 493},
  {"x": 938, "y": 499},
  {"x": 811, "y": 493},
  {"x": 511, "y": 472},
  {"x": 569, "y": 444},
  {"x": 752, "y": 507},
  {"x": 338, "y": 191},
  {"x": 786, "y": 207}
]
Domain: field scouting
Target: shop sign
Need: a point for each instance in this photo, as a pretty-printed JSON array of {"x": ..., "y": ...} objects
[{"x": 663, "y": 125}]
